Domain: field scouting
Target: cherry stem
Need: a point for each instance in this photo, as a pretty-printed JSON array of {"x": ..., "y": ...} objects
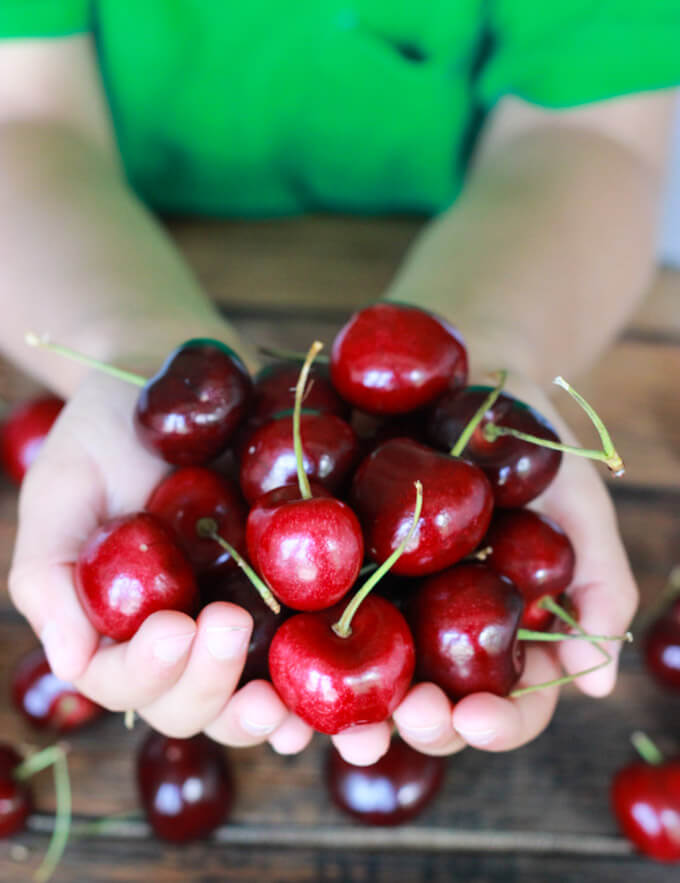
[
  {"x": 342, "y": 627},
  {"x": 558, "y": 682},
  {"x": 129, "y": 719},
  {"x": 548, "y": 603},
  {"x": 207, "y": 528},
  {"x": 287, "y": 355},
  {"x": 646, "y": 748},
  {"x": 37, "y": 762},
  {"x": 43, "y": 342},
  {"x": 608, "y": 454},
  {"x": 302, "y": 477},
  {"x": 478, "y": 416},
  {"x": 529, "y": 635},
  {"x": 368, "y": 568}
]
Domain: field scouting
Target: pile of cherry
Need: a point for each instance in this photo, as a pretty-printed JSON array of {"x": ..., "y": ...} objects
[{"x": 385, "y": 471}]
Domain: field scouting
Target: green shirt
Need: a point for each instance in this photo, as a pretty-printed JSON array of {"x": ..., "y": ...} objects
[{"x": 268, "y": 108}]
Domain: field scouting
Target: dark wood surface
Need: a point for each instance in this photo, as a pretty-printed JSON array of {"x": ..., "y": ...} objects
[{"x": 537, "y": 814}]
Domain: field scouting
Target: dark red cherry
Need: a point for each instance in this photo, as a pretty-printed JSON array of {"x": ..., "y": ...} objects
[
  {"x": 129, "y": 568},
  {"x": 15, "y": 797},
  {"x": 46, "y": 701},
  {"x": 535, "y": 554},
  {"x": 274, "y": 391},
  {"x": 190, "y": 409},
  {"x": 23, "y": 431},
  {"x": 662, "y": 647},
  {"x": 464, "y": 623},
  {"x": 392, "y": 791},
  {"x": 334, "y": 683},
  {"x": 185, "y": 785},
  {"x": 457, "y": 505},
  {"x": 308, "y": 551},
  {"x": 518, "y": 470},
  {"x": 393, "y": 358},
  {"x": 194, "y": 492},
  {"x": 330, "y": 452}
]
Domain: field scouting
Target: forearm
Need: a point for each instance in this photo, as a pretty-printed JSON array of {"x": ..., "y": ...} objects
[
  {"x": 84, "y": 261},
  {"x": 545, "y": 255}
]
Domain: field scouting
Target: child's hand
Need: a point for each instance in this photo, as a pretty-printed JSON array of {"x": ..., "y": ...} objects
[
  {"x": 605, "y": 596},
  {"x": 177, "y": 673}
]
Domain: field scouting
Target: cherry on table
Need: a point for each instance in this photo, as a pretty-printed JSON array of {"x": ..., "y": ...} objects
[
  {"x": 662, "y": 647},
  {"x": 392, "y": 791},
  {"x": 185, "y": 785},
  {"x": 23, "y": 431},
  {"x": 15, "y": 797}
]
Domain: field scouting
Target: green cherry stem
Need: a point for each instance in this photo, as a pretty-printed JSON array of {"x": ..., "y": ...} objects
[
  {"x": 548, "y": 603},
  {"x": 207, "y": 528},
  {"x": 478, "y": 416},
  {"x": 558, "y": 682},
  {"x": 646, "y": 748},
  {"x": 285, "y": 355},
  {"x": 342, "y": 627},
  {"x": 529, "y": 635},
  {"x": 302, "y": 477},
  {"x": 43, "y": 342}
]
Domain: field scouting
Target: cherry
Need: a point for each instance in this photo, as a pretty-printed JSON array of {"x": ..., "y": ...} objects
[
  {"x": 535, "y": 554},
  {"x": 190, "y": 409},
  {"x": 194, "y": 492},
  {"x": 518, "y": 470},
  {"x": 330, "y": 447},
  {"x": 645, "y": 798},
  {"x": 23, "y": 431},
  {"x": 391, "y": 791},
  {"x": 335, "y": 682},
  {"x": 394, "y": 358},
  {"x": 185, "y": 786},
  {"x": 127, "y": 569},
  {"x": 464, "y": 623},
  {"x": 45, "y": 700},
  {"x": 274, "y": 391},
  {"x": 662, "y": 647},
  {"x": 457, "y": 505},
  {"x": 15, "y": 797}
]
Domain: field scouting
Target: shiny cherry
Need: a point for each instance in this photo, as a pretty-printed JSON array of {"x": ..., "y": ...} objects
[
  {"x": 518, "y": 470},
  {"x": 127, "y": 569},
  {"x": 330, "y": 450},
  {"x": 393, "y": 358},
  {"x": 308, "y": 551},
  {"x": 457, "y": 505},
  {"x": 194, "y": 492},
  {"x": 274, "y": 391},
  {"x": 46, "y": 701},
  {"x": 334, "y": 683},
  {"x": 464, "y": 623},
  {"x": 535, "y": 554},
  {"x": 22, "y": 432},
  {"x": 392, "y": 791},
  {"x": 662, "y": 647},
  {"x": 15, "y": 797},
  {"x": 185, "y": 785},
  {"x": 190, "y": 409}
]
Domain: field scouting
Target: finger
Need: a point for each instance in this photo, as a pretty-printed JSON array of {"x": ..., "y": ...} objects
[
  {"x": 424, "y": 721},
  {"x": 363, "y": 745},
  {"x": 493, "y": 723},
  {"x": 210, "y": 676},
  {"x": 134, "y": 674},
  {"x": 250, "y": 717},
  {"x": 293, "y": 736}
]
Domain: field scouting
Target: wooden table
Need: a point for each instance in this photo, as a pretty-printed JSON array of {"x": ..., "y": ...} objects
[{"x": 537, "y": 814}]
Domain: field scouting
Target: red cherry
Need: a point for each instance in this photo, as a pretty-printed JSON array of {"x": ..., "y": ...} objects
[
  {"x": 194, "y": 492},
  {"x": 185, "y": 786},
  {"x": 129, "y": 568},
  {"x": 535, "y": 554},
  {"x": 394, "y": 790},
  {"x": 330, "y": 450},
  {"x": 274, "y": 391},
  {"x": 518, "y": 470},
  {"x": 457, "y": 505},
  {"x": 393, "y": 358},
  {"x": 334, "y": 683},
  {"x": 15, "y": 797},
  {"x": 464, "y": 623},
  {"x": 308, "y": 551},
  {"x": 23, "y": 431},
  {"x": 190, "y": 409},
  {"x": 45, "y": 700},
  {"x": 646, "y": 802},
  {"x": 662, "y": 647}
]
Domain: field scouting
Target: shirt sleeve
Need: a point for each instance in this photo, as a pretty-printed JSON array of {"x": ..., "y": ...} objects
[
  {"x": 44, "y": 18},
  {"x": 564, "y": 53}
]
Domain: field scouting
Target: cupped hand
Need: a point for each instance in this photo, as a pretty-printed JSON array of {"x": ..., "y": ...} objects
[{"x": 179, "y": 674}]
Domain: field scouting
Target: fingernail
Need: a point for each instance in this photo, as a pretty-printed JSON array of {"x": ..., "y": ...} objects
[
  {"x": 258, "y": 729},
  {"x": 171, "y": 650},
  {"x": 227, "y": 642},
  {"x": 423, "y": 734},
  {"x": 477, "y": 737}
]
